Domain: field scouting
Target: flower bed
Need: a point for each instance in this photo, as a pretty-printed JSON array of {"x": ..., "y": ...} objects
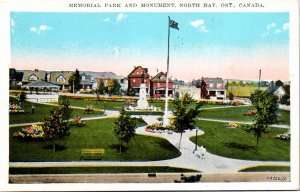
[
  {"x": 285, "y": 136},
  {"x": 250, "y": 113},
  {"x": 89, "y": 109},
  {"x": 77, "y": 121},
  {"x": 232, "y": 125},
  {"x": 14, "y": 108},
  {"x": 30, "y": 132}
]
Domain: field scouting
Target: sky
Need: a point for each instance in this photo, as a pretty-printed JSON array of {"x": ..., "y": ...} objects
[{"x": 227, "y": 45}]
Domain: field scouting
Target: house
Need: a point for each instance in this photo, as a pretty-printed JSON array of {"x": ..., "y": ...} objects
[
  {"x": 135, "y": 79},
  {"x": 158, "y": 85},
  {"x": 86, "y": 82},
  {"x": 276, "y": 90},
  {"x": 60, "y": 78},
  {"x": 15, "y": 78},
  {"x": 212, "y": 88},
  {"x": 193, "y": 91},
  {"x": 92, "y": 78},
  {"x": 30, "y": 76}
]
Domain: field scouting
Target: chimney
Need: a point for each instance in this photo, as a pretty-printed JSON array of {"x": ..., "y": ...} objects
[{"x": 36, "y": 70}]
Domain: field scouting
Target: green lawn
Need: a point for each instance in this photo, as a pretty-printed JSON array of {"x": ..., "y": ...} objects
[
  {"x": 266, "y": 169},
  {"x": 41, "y": 111},
  {"x": 237, "y": 114},
  {"x": 239, "y": 144},
  {"x": 231, "y": 113},
  {"x": 83, "y": 170},
  {"x": 284, "y": 117},
  {"x": 97, "y": 134},
  {"x": 109, "y": 105}
]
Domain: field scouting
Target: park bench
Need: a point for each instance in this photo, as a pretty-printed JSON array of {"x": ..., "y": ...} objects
[{"x": 92, "y": 153}]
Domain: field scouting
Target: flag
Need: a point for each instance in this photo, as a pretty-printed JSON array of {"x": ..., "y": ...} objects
[{"x": 173, "y": 24}]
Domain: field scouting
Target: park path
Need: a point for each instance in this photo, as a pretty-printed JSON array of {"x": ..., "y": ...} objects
[{"x": 211, "y": 164}]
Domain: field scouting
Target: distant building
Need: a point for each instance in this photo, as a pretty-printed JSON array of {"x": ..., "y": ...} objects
[
  {"x": 276, "y": 90},
  {"x": 15, "y": 78},
  {"x": 193, "y": 91},
  {"x": 212, "y": 88},
  {"x": 30, "y": 76},
  {"x": 86, "y": 82},
  {"x": 135, "y": 80},
  {"x": 91, "y": 79},
  {"x": 158, "y": 86},
  {"x": 60, "y": 78}
]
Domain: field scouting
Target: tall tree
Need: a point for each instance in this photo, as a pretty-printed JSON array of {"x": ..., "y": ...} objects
[
  {"x": 279, "y": 83},
  {"x": 100, "y": 87},
  {"x": 75, "y": 80},
  {"x": 124, "y": 128},
  {"x": 22, "y": 98},
  {"x": 266, "y": 107},
  {"x": 65, "y": 109},
  {"x": 184, "y": 117},
  {"x": 113, "y": 86},
  {"x": 55, "y": 127}
]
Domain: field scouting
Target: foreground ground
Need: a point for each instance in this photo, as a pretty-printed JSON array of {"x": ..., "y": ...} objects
[{"x": 144, "y": 178}]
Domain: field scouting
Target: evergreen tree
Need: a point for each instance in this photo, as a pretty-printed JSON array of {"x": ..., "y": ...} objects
[
  {"x": 55, "y": 127},
  {"x": 75, "y": 80},
  {"x": 124, "y": 128},
  {"x": 65, "y": 107}
]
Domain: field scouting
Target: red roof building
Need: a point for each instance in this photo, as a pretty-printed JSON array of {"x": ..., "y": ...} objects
[
  {"x": 158, "y": 86},
  {"x": 135, "y": 79}
]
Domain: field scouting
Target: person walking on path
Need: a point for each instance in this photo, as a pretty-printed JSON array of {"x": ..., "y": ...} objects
[
  {"x": 202, "y": 151},
  {"x": 32, "y": 109}
]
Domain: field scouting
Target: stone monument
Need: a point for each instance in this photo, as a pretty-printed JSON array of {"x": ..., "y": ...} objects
[{"x": 142, "y": 103}]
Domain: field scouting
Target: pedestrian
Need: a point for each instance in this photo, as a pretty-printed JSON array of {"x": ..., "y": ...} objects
[
  {"x": 203, "y": 151},
  {"x": 32, "y": 109}
]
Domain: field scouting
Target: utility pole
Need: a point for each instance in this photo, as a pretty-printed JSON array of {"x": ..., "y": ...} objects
[{"x": 259, "y": 78}]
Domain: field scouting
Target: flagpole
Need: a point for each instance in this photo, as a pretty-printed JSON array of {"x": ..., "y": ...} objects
[{"x": 167, "y": 81}]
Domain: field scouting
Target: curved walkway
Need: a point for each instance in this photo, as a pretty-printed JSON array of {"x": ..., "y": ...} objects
[{"x": 211, "y": 164}]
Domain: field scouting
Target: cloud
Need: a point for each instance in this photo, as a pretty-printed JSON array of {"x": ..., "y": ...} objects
[
  {"x": 33, "y": 29},
  {"x": 107, "y": 19},
  {"x": 116, "y": 51},
  {"x": 39, "y": 29},
  {"x": 121, "y": 17},
  {"x": 199, "y": 24},
  {"x": 271, "y": 25},
  {"x": 285, "y": 26},
  {"x": 277, "y": 31}
]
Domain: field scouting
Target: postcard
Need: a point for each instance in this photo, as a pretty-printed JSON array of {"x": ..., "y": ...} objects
[{"x": 150, "y": 95}]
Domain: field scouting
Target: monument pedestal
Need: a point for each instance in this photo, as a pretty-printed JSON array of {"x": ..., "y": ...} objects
[{"x": 142, "y": 103}]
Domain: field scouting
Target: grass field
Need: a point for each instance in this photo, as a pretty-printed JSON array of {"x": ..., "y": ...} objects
[
  {"x": 84, "y": 170},
  {"x": 96, "y": 134},
  {"x": 237, "y": 114},
  {"x": 266, "y": 169},
  {"x": 41, "y": 111},
  {"x": 239, "y": 144},
  {"x": 243, "y": 91}
]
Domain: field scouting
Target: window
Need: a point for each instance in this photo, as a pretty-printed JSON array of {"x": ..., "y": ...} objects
[
  {"x": 60, "y": 79},
  {"x": 33, "y": 77},
  {"x": 83, "y": 78},
  {"x": 133, "y": 80}
]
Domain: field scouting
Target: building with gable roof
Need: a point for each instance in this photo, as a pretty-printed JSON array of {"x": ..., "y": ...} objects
[
  {"x": 30, "y": 76},
  {"x": 135, "y": 79},
  {"x": 212, "y": 88},
  {"x": 158, "y": 86},
  {"x": 60, "y": 78}
]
